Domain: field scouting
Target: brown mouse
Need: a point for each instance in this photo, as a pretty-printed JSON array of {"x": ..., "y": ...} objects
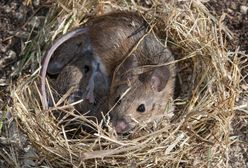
[
  {"x": 108, "y": 39},
  {"x": 73, "y": 78},
  {"x": 76, "y": 75},
  {"x": 142, "y": 96}
]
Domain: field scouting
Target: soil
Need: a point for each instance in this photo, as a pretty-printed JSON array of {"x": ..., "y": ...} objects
[
  {"x": 236, "y": 19},
  {"x": 16, "y": 23},
  {"x": 15, "y": 27}
]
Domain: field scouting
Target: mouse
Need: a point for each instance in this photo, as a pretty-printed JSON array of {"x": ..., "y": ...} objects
[
  {"x": 73, "y": 78},
  {"x": 76, "y": 75},
  {"x": 140, "y": 95},
  {"x": 108, "y": 39}
]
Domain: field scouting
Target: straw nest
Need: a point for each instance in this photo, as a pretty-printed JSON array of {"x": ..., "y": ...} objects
[{"x": 198, "y": 134}]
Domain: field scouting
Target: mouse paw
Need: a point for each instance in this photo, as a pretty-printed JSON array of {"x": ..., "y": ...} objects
[{"x": 90, "y": 94}]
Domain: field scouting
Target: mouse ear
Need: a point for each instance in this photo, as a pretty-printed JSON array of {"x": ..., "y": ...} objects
[{"x": 159, "y": 78}]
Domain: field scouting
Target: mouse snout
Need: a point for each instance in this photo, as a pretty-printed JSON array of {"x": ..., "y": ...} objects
[
  {"x": 121, "y": 126},
  {"x": 54, "y": 68}
]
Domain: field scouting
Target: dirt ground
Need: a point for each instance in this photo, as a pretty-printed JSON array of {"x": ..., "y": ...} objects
[
  {"x": 16, "y": 23},
  {"x": 236, "y": 18}
]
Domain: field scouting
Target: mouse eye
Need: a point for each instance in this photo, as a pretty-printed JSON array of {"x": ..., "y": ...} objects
[
  {"x": 86, "y": 68},
  {"x": 141, "y": 108},
  {"x": 118, "y": 100}
]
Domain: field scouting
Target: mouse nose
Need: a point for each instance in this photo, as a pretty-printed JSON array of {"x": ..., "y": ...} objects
[{"x": 121, "y": 127}]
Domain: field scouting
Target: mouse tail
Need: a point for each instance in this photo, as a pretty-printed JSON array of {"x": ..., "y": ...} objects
[{"x": 48, "y": 56}]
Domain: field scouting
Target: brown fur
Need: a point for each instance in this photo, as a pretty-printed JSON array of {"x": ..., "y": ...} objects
[
  {"x": 109, "y": 38},
  {"x": 74, "y": 76}
]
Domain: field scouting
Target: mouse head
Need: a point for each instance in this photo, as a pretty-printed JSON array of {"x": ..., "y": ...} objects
[
  {"x": 73, "y": 81},
  {"x": 76, "y": 76},
  {"x": 66, "y": 52},
  {"x": 141, "y": 98}
]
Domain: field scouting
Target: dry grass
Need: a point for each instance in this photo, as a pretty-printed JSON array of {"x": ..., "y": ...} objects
[{"x": 199, "y": 136}]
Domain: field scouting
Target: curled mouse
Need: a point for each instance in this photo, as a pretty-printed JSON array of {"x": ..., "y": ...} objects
[
  {"x": 73, "y": 78},
  {"x": 108, "y": 39},
  {"x": 77, "y": 74},
  {"x": 143, "y": 95}
]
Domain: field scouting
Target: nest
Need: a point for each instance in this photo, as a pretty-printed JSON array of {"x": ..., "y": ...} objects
[{"x": 209, "y": 75}]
